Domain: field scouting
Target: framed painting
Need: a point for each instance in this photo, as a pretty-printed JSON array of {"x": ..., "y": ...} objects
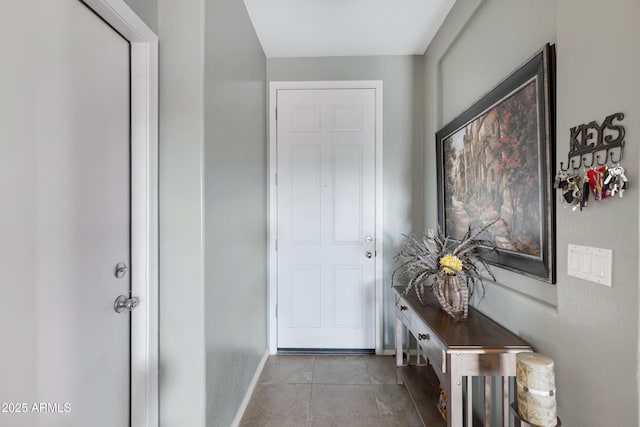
[{"x": 495, "y": 161}]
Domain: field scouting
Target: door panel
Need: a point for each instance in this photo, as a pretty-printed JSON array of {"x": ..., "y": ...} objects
[
  {"x": 346, "y": 201},
  {"x": 326, "y": 205},
  {"x": 348, "y": 297},
  {"x": 68, "y": 224},
  {"x": 305, "y": 194},
  {"x": 305, "y": 298}
]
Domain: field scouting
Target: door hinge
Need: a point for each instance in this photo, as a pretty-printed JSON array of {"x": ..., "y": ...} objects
[
  {"x": 276, "y": 244},
  {"x": 276, "y": 179},
  {"x": 276, "y": 310},
  {"x": 276, "y": 114}
]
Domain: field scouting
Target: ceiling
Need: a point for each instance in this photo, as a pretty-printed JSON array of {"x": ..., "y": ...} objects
[{"x": 303, "y": 28}]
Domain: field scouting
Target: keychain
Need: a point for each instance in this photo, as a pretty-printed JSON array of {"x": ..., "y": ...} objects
[
  {"x": 616, "y": 181},
  {"x": 585, "y": 191},
  {"x": 569, "y": 186},
  {"x": 562, "y": 180},
  {"x": 576, "y": 192},
  {"x": 571, "y": 192},
  {"x": 596, "y": 178}
]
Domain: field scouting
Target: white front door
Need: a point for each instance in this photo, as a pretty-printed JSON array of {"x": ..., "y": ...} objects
[
  {"x": 65, "y": 217},
  {"x": 326, "y": 218}
]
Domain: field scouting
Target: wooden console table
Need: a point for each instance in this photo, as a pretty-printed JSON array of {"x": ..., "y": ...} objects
[{"x": 456, "y": 352}]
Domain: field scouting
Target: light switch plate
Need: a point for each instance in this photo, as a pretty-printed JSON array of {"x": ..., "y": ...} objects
[{"x": 593, "y": 264}]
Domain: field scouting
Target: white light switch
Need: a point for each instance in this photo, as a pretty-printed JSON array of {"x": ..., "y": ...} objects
[{"x": 593, "y": 264}]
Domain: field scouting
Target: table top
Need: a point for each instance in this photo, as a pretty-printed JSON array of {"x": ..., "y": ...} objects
[{"x": 477, "y": 332}]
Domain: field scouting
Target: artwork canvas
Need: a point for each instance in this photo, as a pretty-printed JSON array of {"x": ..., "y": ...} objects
[{"x": 495, "y": 162}]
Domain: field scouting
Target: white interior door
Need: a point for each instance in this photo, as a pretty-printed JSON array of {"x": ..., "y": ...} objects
[
  {"x": 65, "y": 217},
  {"x": 326, "y": 218}
]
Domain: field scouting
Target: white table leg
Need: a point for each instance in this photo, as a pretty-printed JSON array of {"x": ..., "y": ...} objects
[{"x": 399, "y": 350}]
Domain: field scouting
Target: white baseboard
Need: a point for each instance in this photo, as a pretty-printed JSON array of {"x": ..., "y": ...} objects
[
  {"x": 252, "y": 386},
  {"x": 388, "y": 352}
]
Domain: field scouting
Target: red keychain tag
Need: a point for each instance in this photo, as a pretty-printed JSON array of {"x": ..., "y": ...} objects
[{"x": 596, "y": 177}]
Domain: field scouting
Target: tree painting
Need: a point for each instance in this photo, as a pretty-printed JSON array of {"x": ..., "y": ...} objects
[{"x": 492, "y": 171}]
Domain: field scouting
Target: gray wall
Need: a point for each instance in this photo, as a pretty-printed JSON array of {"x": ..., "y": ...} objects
[
  {"x": 589, "y": 330},
  {"x": 235, "y": 207},
  {"x": 402, "y": 112},
  {"x": 212, "y": 207},
  {"x": 147, "y": 10},
  {"x": 182, "y": 308}
]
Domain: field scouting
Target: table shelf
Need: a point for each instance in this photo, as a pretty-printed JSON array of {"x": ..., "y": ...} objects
[{"x": 422, "y": 385}]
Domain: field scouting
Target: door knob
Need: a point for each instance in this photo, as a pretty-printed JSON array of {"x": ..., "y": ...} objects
[
  {"x": 368, "y": 254},
  {"x": 122, "y": 303}
]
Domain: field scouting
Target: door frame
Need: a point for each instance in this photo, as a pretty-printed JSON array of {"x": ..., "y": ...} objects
[
  {"x": 144, "y": 205},
  {"x": 272, "y": 286}
]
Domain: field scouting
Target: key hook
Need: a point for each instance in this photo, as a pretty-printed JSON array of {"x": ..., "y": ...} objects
[
  {"x": 584, "y": 161},
  {"x": 615, "y": 161}
]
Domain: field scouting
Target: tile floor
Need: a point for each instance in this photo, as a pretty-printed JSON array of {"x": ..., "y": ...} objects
[{"x": 322, "y": 391}]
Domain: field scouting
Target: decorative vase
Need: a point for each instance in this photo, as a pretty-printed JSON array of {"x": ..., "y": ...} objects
[
  {"x": 536, "y": 389},
  {"x": 452, "y": 293}
]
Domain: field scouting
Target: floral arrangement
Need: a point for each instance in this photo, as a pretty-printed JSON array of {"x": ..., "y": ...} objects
[
  {"x": 431, "y": 255},
  {"x": 450, "y": 264}
]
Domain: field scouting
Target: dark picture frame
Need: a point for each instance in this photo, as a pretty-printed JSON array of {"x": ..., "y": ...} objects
[{"x": 496, "y": 160}]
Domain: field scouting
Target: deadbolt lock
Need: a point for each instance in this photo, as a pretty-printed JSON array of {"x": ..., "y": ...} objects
[{"x": 120, "y": 270}]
